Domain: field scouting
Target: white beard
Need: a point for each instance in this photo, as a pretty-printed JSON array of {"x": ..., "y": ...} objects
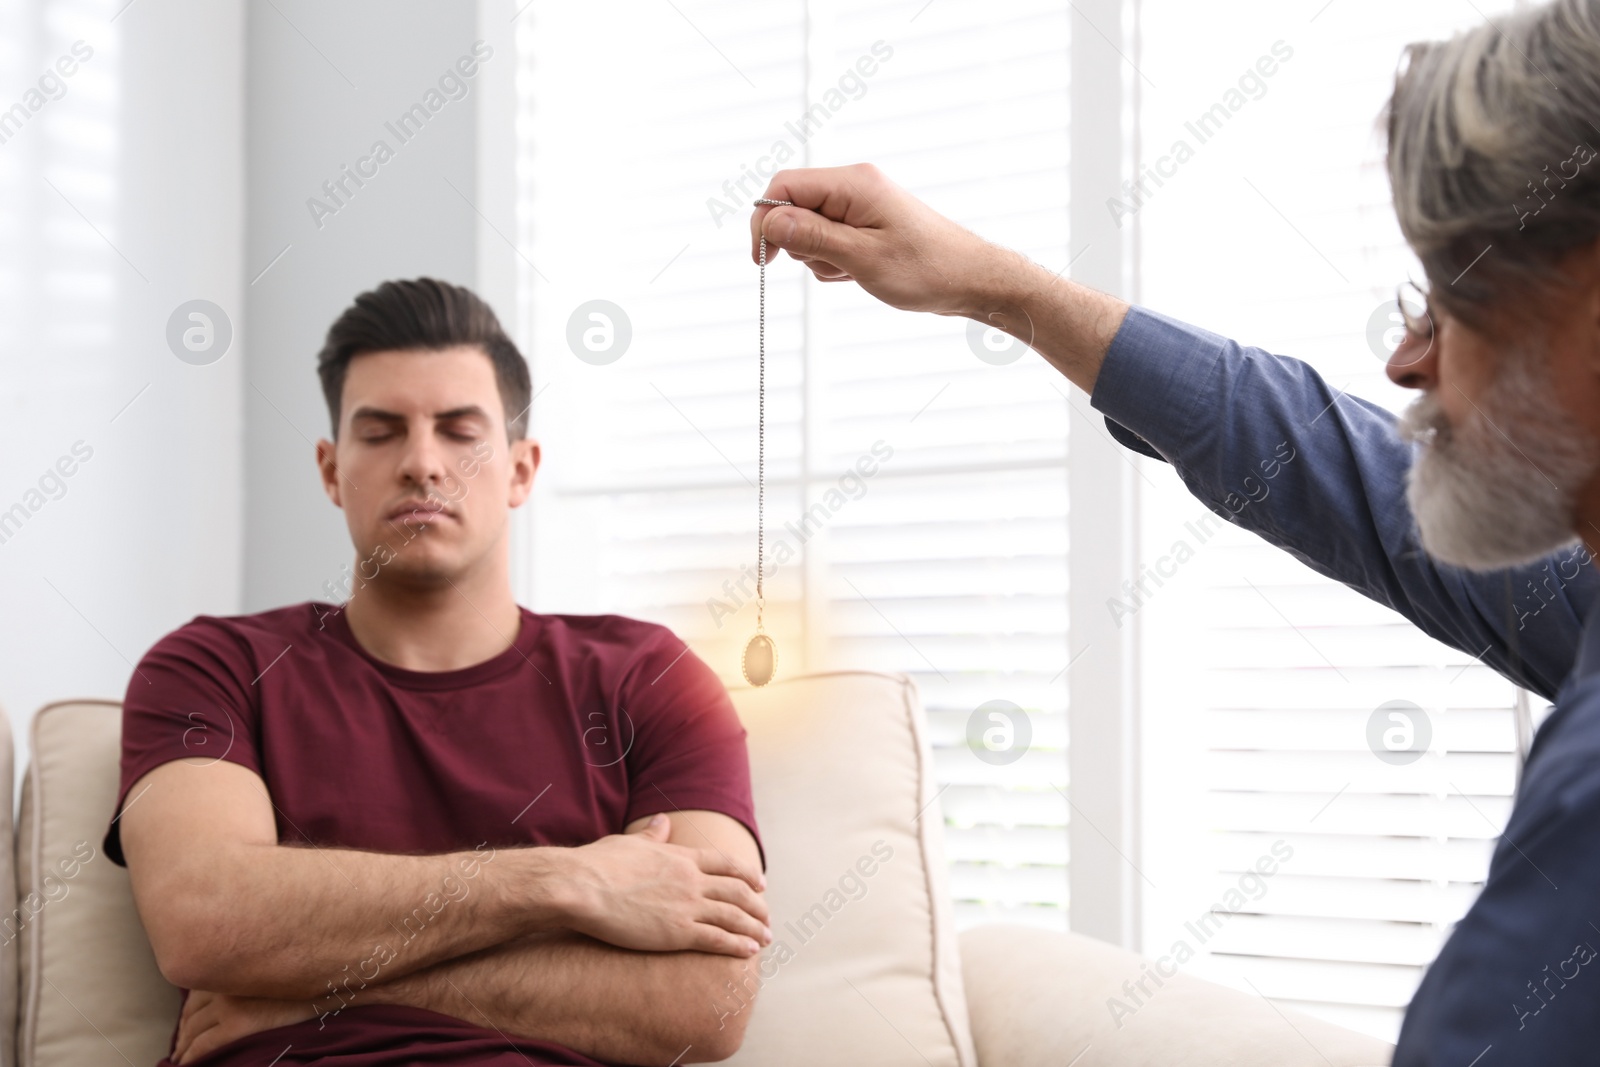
[{"x": 1500, "y": 489}]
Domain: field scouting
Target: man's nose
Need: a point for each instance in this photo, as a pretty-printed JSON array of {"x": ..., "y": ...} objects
[
  {"x": 1414, "y": 363},
  {"x": 423, "y": 462}
]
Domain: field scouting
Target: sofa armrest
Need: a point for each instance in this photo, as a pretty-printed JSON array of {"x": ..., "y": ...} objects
[{"x": 1038, "y": 998}]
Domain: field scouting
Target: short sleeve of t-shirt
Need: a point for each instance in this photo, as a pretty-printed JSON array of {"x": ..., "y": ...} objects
[
  {"x": 689, "y": 749},
  {"x": 189, "y": 697}
]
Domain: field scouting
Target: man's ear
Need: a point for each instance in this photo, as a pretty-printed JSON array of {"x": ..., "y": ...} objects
[
  {"x": 525, "y": 457},
  {"x": 1592, "y": 307},
  {"x": 328, "y": 467}
]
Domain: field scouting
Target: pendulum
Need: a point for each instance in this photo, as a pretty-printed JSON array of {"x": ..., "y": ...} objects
[{"x": 760, "y": 660}]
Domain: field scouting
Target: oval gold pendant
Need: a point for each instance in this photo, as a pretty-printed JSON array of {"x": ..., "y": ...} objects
[{"x": 760, "y": 660}]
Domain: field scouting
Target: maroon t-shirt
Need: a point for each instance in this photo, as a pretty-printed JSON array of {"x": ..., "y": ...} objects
[{"x": 582, "y": 725}]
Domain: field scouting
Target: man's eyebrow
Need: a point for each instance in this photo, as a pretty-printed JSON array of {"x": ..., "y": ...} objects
[{"x": 466, "y": 411}]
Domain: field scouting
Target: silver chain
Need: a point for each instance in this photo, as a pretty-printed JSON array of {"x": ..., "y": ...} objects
[{"x": 761, "y": 427}]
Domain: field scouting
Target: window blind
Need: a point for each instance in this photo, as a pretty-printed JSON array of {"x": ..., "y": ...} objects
[
  {"x": 61, "y": 205},
  {"x": 948, "y": 561},
  {"x": 57, "y": 183}
]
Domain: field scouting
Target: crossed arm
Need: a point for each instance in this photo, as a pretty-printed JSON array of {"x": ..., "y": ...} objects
[{"x": 623, "y": 949}]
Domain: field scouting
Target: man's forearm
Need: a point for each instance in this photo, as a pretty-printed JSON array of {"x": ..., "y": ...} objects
[
  {"x": 614, "y": 1004},
  {"x": 230, "y": 909},
  {"x": 357, "y": 915},
  {"x": 1070, "y": 325}
]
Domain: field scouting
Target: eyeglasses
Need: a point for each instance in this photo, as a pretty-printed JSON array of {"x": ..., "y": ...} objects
[
  {"x": 1410, "y": 299},
  {"x": 1417, "y": 317}
]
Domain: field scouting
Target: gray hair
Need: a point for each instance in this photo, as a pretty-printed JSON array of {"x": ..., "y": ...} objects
[{"x": 1493, "y": 142}]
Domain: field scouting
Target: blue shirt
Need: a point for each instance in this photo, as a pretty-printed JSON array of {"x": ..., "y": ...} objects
[{"x": 1518, "y": 980}]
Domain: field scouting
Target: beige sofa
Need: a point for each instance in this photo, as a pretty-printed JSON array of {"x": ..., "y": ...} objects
[{"x": 866, "y": 968}]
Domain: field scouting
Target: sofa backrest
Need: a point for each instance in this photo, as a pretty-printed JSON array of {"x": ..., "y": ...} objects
[
  {"x": 10, "y": 918},
  {"x": 857, "y": 884},
  {"x": 863, "y": 967},
  {"x": 90, "y": 989}
]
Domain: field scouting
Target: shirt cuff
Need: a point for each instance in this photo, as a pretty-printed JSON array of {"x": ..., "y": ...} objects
[
  {"x": 1154, "y": 380},
  {"x": 1128, "y": 439}
]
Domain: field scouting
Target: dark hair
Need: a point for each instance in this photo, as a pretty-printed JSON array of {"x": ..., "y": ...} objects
[{"x": 424, "y": 314}]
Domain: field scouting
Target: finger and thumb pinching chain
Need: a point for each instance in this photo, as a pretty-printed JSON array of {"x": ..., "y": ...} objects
[{"x": 760, "y": 660}]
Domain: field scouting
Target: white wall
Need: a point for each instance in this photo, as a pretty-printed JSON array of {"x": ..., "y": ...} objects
[
  {"x": 324, "y": 80},
  {"x": 128, "y": 193},
  {"x": 184, "y": 151}
]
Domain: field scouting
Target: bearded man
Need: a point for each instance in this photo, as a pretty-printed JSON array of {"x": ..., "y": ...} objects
[{"x": 1489, "y": 485}]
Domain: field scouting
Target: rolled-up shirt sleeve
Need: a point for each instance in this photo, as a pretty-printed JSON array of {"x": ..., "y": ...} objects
[{"x": 1267, "y": 444}]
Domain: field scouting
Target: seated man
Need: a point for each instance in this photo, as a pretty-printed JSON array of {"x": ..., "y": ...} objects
[
  {"x": 428, "y": 824},
  {"x": 1477, "y": 516}
]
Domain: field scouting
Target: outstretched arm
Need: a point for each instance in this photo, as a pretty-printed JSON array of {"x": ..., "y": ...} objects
[
  {"x": 1268, "y": 445},
  {"x": 1236, "y": 423},
  {"x": 614, "y": 1004}
]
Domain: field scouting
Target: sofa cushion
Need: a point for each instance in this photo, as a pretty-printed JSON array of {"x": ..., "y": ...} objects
[
  {"x": 1041, "y": 998},
  {"x": 863, "y": 967},
  {"x": 88, "y": 977}
]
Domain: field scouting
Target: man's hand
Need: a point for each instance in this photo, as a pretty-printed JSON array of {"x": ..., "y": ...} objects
[
  {"x": 617, "y": 1005},
  {"x": 211, "y": 1020},
  {"x": 854, "y": 224},
  {"x": 637, "y": 890}
]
